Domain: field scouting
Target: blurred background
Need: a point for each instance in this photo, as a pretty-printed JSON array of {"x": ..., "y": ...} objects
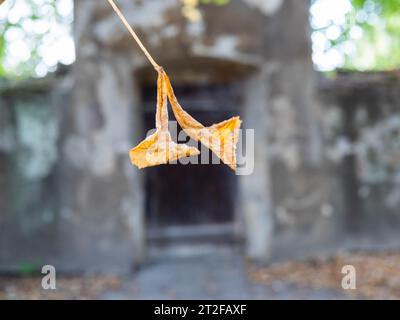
[{"x": 318, "y": 82}]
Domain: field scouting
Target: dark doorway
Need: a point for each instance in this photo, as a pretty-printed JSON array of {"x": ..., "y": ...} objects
[{"x": 193, "y": 196}]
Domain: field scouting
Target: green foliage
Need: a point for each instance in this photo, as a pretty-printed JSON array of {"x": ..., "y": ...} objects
[
  {"x": 2, "y": 54},
  {"x": 378, "y": 47},
  {"x": 381, "y": 26},
  {"x": 28, "y": 268},
  {"x": 34, "y": 11},
  {"x": 376, "y": 21},
  {"x": 217, "y": 2}
]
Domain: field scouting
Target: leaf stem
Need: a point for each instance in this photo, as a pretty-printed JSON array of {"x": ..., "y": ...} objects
[{"x": 134, "y": 35}]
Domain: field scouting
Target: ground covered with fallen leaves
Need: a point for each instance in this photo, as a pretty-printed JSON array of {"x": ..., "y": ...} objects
[
  {"x": 377, "y": 277},
  {"x": 377, "y": 274},
  {"x": 68, "y": 287}
]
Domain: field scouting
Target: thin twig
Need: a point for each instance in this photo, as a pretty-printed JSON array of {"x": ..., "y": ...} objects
[{"x": 134, "y": 35}]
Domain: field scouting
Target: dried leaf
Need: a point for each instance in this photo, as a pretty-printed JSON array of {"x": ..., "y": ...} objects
[
  {"x": 221, "y": 138},
  {"x": 159, "y": 148}
]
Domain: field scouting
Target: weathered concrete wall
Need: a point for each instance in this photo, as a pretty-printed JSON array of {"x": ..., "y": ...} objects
[
  {"x": 98, "y": 219},
  {"x": 29, "y": 211},
  {"x": 263, "y": 51},
  {"x": 362, "y": 128},
  {"x": 213, "y": 49},
  {"x": 301, "y": 184},
  {"x": 272, "y": 42},
  {"x": 102, "y": 197},
  {"x": 51, "y": 214}
]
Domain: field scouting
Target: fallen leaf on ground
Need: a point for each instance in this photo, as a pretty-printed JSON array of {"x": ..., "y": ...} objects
[{"x": 377, "y": 273}]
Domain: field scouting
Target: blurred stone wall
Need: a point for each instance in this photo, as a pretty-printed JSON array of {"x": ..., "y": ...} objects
[
  {"x": 29, "y": 155},
  {"x": 362, "y": 132},
  {"x": 326, "y": 158},
  {"x": 262, "y": 50}
]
